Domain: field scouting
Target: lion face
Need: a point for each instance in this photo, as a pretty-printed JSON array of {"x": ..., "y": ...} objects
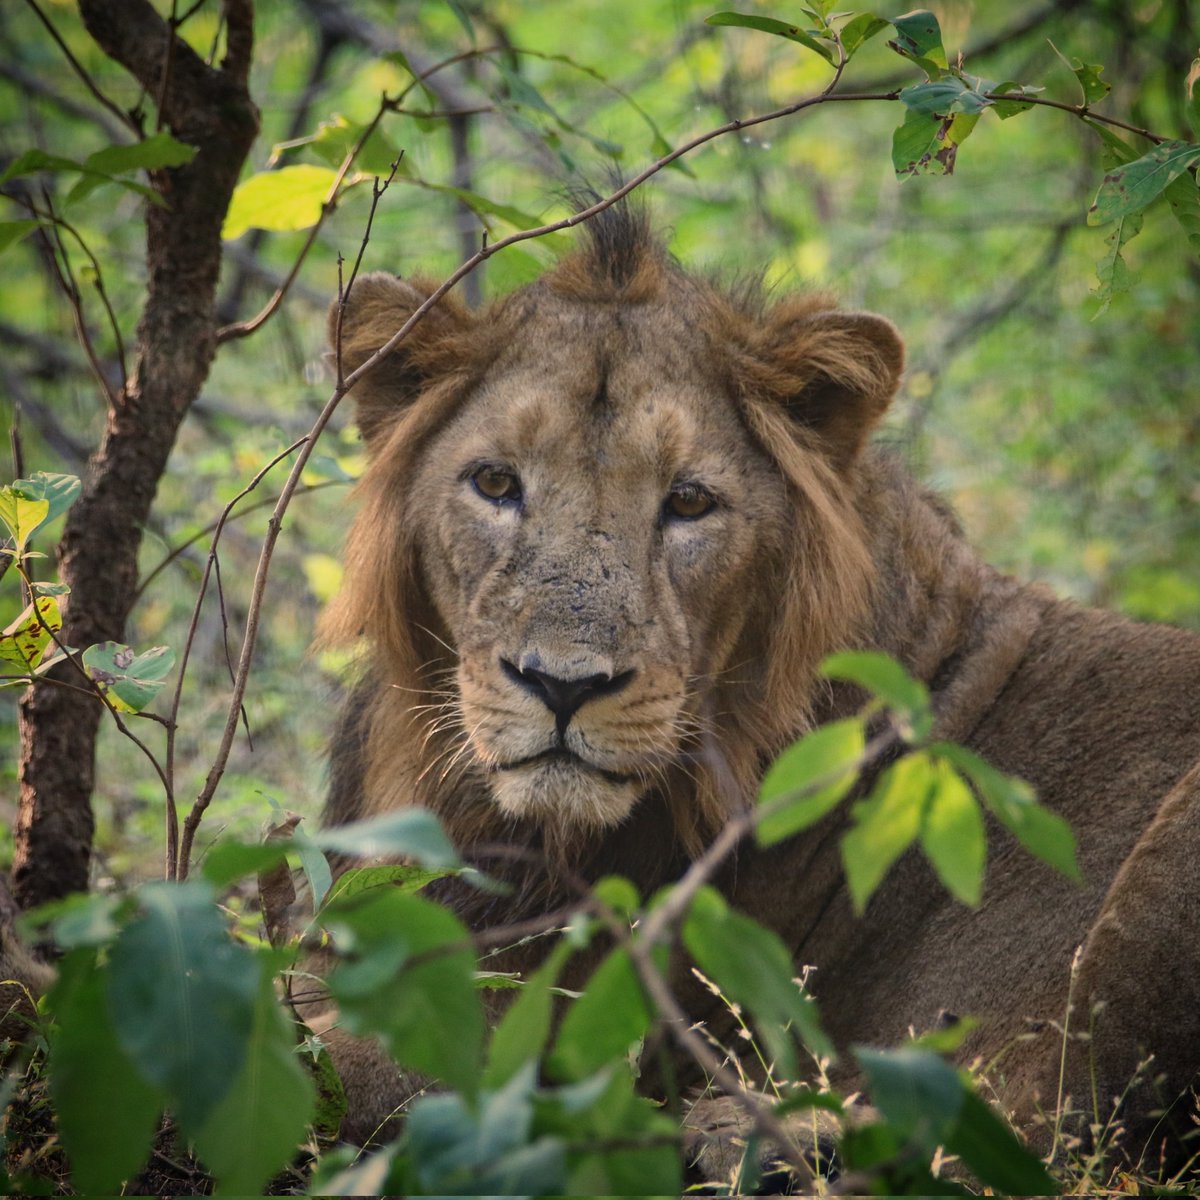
[
  {"x": 586, "y": 516},
  {"x": 605, "y": 537}
]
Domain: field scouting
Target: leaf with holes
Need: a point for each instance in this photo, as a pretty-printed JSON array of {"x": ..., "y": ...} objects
[
  {"x": 1131, "y": 187},
  {"x": 928, "y": 145},
  {"x": 129, "y": 680},
  {"x": 24, "y": 643},
  {"x": 919, "y": 39}
]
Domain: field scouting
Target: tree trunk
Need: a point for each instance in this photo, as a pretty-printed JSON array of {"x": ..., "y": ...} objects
[{"x": 210, "y": 108}]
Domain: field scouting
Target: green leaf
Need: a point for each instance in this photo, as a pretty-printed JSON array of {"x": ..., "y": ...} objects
[
  {"x": 21, "y": 516},
  {"x": 886, "y": 824},
  {"x": 358, "y": 880},
  {"x": 464, "y": 17},
  {"x": 129, "y": 680},
  {"x": 1093, "y": 87},
  {"x": 859, "y": 29},
  {"x": 1042, "y": 832},
  {"x": 1112, "y": 272},
  {"x": 1183, "y": 196},
  {"x": 986, "y": 1144},
  {"x": 521, "y": 1035},
  {"x": 889, "y": 682},
  {"x": 600, "y": 1027},
  {"x": 919, "y": 1093},
  {"x": 59, "y": 491},
  {"x": 943, "y": 96},
  {"x": 1130, "y": 188},
  {"x": 335, "y": 138},
  {"x": 33, "y": 161},
  {"x": 151, "y": 154},
  {"x": 107, "y": 1112},
  {"x": 522, "y": 92},
  {"x": 82, "y": 919},
  {"x": 607, "y": 1109},
  {"x": 919, "y": 38},
  {"x": 793, "y": 33},
  {"x": 230, "y": 860},
  {"x": 809, "y": 778},
  {"x": 407, "y": 974},
  {"x": 24, "y": 643},
  {"x": 12, "y": 232},
  {"x": 1010, "y": 108},
  {"x": 928, "y": 145},
  {"x": 952, "y": 834},
  {"x": 252, "y": 1133},
  {"x": 753, "y": 968},
  {"x": 409, "y": 832},
  {"x": 182, "y": 996},
  {"x": 287, "y": 199}
]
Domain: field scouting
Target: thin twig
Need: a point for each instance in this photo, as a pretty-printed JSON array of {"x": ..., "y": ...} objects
[
  {"x": 241, "y": 329},
  {"x": 79, "y": 70},
  {"x": 185, "y": 545},
  {"x": 179, "y": 852}
]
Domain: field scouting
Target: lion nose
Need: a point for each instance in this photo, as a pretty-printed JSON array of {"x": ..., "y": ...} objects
[{"x": 564, "y": 696}]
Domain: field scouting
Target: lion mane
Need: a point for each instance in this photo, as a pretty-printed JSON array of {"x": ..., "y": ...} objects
[{"x": 609, "y": 527}]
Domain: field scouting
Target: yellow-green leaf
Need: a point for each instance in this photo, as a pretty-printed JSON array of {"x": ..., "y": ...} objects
[{"x": 290, "y": 198}]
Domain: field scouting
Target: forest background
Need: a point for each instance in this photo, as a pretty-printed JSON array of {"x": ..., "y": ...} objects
[
  {"x": 1050, "y": 387},
  {"x": 1065, "y": 437}
]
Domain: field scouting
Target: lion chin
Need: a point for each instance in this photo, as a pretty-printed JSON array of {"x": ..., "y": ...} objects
[{"x": 560, "y": 789}]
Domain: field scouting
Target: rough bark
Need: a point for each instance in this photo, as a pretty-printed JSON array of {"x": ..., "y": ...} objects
[{"x": 210, "y": 108}]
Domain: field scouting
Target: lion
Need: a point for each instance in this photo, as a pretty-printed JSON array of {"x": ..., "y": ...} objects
[{"x": 609, "y": 528}]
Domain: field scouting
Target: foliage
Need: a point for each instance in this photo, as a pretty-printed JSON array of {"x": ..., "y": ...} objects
[{"x": 165, "y": 1004}]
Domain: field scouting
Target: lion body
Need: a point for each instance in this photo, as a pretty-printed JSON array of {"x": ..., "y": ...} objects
[{"x": 608, "y": 531}]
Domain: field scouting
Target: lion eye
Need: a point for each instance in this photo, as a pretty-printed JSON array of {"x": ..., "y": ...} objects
[
  {"x": 496, "y": 484},
  {"x": 689, "y": 501}
]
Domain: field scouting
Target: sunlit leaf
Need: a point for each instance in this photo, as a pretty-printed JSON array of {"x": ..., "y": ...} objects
[
  {"x": 952, "y": 834},
  {"x": 888, "y": 681},
  {"x": 1130, "y": 188},
  {"x": 130, "y": 680},
  {"x": 814, "y": 773},
  {"x": 286, "y": 199},
  {"x": 25, "y": 642},
  {"x": 886, "y": 824},
  {"x": 793, "y": 33},
  {"x": 1012, "y": 801},
  {"x": 21, "y": 516}
]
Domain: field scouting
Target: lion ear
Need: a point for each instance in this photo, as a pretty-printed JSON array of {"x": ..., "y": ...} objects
[
  {"x": 377, "y": 306},
  {"x": 851, "y": 363}
]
